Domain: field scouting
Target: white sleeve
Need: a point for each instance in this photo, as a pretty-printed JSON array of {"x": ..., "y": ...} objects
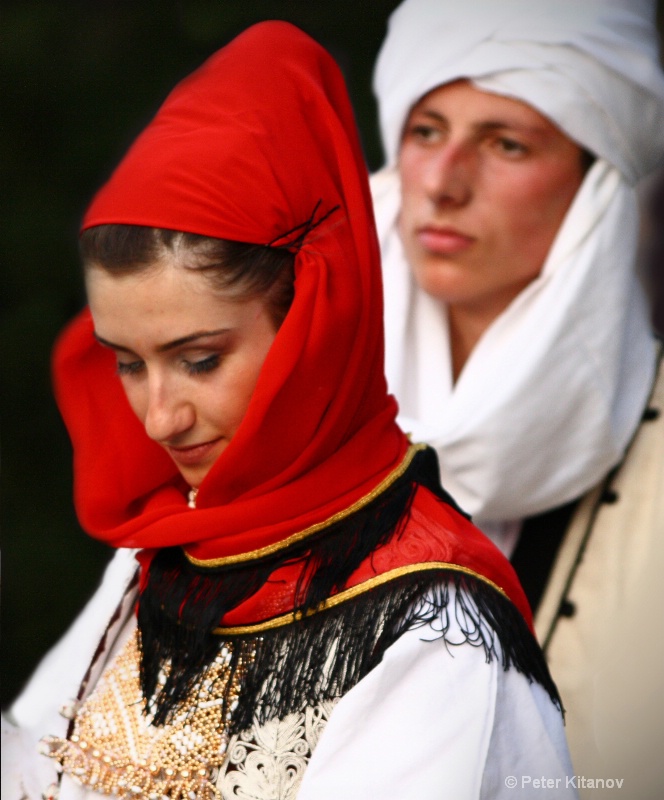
[
  {"x": 36, "y": 712},
  {"x": 435, "y": 721}
]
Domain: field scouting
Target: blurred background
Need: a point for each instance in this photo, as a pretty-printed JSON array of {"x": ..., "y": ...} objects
[{"x": 80, "y": 80}]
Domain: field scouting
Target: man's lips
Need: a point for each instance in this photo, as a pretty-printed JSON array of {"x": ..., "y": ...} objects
[
  {"x": 193, "y": 454},
  {"x": 443, "y": 241}
]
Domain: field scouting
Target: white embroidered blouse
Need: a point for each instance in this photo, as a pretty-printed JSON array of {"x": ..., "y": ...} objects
[{"x": 431, "y": 721}]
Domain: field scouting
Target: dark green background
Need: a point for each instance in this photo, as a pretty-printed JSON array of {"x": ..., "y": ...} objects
[{"x": 80, "y": 79}]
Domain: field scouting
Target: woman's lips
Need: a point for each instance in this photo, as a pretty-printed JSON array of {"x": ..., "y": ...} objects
[
  {"x": 443, "y": 241},
  {"x": 194, "y": 454}
]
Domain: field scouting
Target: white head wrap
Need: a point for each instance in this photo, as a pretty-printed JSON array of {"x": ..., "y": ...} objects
[
  {"x": 589, "y": 65},
  {"x": 553, "y": 391}
]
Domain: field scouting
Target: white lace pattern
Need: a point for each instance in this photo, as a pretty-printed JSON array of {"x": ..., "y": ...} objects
[{"x": 267, "y": 762}]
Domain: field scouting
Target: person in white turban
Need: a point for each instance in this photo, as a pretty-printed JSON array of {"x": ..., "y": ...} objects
[{"x": 518, "y": 337}]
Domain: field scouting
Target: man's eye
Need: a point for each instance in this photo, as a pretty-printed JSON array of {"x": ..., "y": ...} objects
[
  {"x": 511, "y": 146},
  {"x": 423, "y": 133}
]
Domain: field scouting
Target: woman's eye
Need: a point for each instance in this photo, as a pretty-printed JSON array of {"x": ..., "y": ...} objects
[
  {"x": 204, "y": 365},
  {"x": 129, "y": 367}
]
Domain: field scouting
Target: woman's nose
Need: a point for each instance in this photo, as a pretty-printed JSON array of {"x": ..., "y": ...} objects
[
  {"x": 449, "y": 175},
  {"x": 168, "y": 413}
]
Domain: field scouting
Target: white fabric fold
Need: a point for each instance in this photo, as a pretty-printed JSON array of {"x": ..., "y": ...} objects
[
  {"x": 552, "y": 394},
  {"x": 591, "y": 66},
  {"x": 554, "y": 389}
]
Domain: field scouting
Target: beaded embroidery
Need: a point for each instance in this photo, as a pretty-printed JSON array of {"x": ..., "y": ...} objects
[{"x": 115, "y": 750}]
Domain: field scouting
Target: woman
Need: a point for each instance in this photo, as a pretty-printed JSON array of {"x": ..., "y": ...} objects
[
  {"x": 303, "y": 576},
  {"x": 518, "y": 337}
]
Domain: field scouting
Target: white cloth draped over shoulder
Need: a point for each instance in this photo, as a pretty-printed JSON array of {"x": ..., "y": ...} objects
[
  {"x": 553, "y": 392},
  {"x": 410, "y": 701}
]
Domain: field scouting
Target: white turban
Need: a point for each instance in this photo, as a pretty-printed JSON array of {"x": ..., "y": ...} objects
[
  {"x": 553, "y": 392},
  {"x": 591, "y": 66}
]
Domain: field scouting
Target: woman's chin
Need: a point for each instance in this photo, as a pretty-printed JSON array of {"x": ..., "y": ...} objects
[{"x": 195, "y": 463}]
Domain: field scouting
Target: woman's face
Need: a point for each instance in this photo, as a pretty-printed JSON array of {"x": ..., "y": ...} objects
[
  {"x": 188, "y": 357},
  {"x": 486, "y": 182}
]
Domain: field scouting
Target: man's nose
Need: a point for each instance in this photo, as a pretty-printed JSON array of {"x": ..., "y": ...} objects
[{"x": 449, "y": 175}]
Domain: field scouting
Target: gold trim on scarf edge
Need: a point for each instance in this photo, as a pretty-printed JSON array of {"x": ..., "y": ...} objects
[
  {"x": 354, "y": 591},
  {"x": 396, "y": 473}
]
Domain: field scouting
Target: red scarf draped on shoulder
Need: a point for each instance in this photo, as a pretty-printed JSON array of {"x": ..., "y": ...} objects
[{"x": 259, "y": 145}]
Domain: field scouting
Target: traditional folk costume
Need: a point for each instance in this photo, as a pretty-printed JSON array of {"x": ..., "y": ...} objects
[
  {"x": 320, "y": 620},
  {"x": 560, "y": 397}
]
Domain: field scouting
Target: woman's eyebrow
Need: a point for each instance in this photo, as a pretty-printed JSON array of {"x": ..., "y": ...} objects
[{"x": 192, "y": 337}]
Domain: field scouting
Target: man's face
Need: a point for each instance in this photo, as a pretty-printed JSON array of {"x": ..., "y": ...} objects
[{"x": 486, "y": 182}]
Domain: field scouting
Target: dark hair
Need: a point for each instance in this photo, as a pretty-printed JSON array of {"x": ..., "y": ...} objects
[{"x": 252, "y": 270}]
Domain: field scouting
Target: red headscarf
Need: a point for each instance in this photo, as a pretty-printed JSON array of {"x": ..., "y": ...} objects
[
  {"x": 259, "y": 145},
  {"x": 249, "y": 147}
]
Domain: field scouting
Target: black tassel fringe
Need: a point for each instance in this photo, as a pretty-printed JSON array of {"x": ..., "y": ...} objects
[
  {"x": 322, "y": 656},
  {"x": 325, "y": 654}
]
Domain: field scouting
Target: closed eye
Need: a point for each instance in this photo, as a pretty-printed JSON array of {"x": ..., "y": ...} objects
[
  {"x": 207, "y": 364},
  {"x": 129, "y": 367}
]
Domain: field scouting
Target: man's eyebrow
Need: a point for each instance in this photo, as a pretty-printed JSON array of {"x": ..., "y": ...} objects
[
  {"x": 500, "y": 124},
  {"x": 192, "y": 337},
  {"x": 485, "y": 125},
  {"x": 429, "y": 112}
]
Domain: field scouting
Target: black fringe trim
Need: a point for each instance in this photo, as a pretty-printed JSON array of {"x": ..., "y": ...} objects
[
  {"x": 322, "y": 656},
  {"x": 182, "y": 604}
]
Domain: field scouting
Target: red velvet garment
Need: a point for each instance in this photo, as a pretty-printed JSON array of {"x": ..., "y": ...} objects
[
  {"x": 437, "y": 538},
  {"x": 247, "y": 148}
]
